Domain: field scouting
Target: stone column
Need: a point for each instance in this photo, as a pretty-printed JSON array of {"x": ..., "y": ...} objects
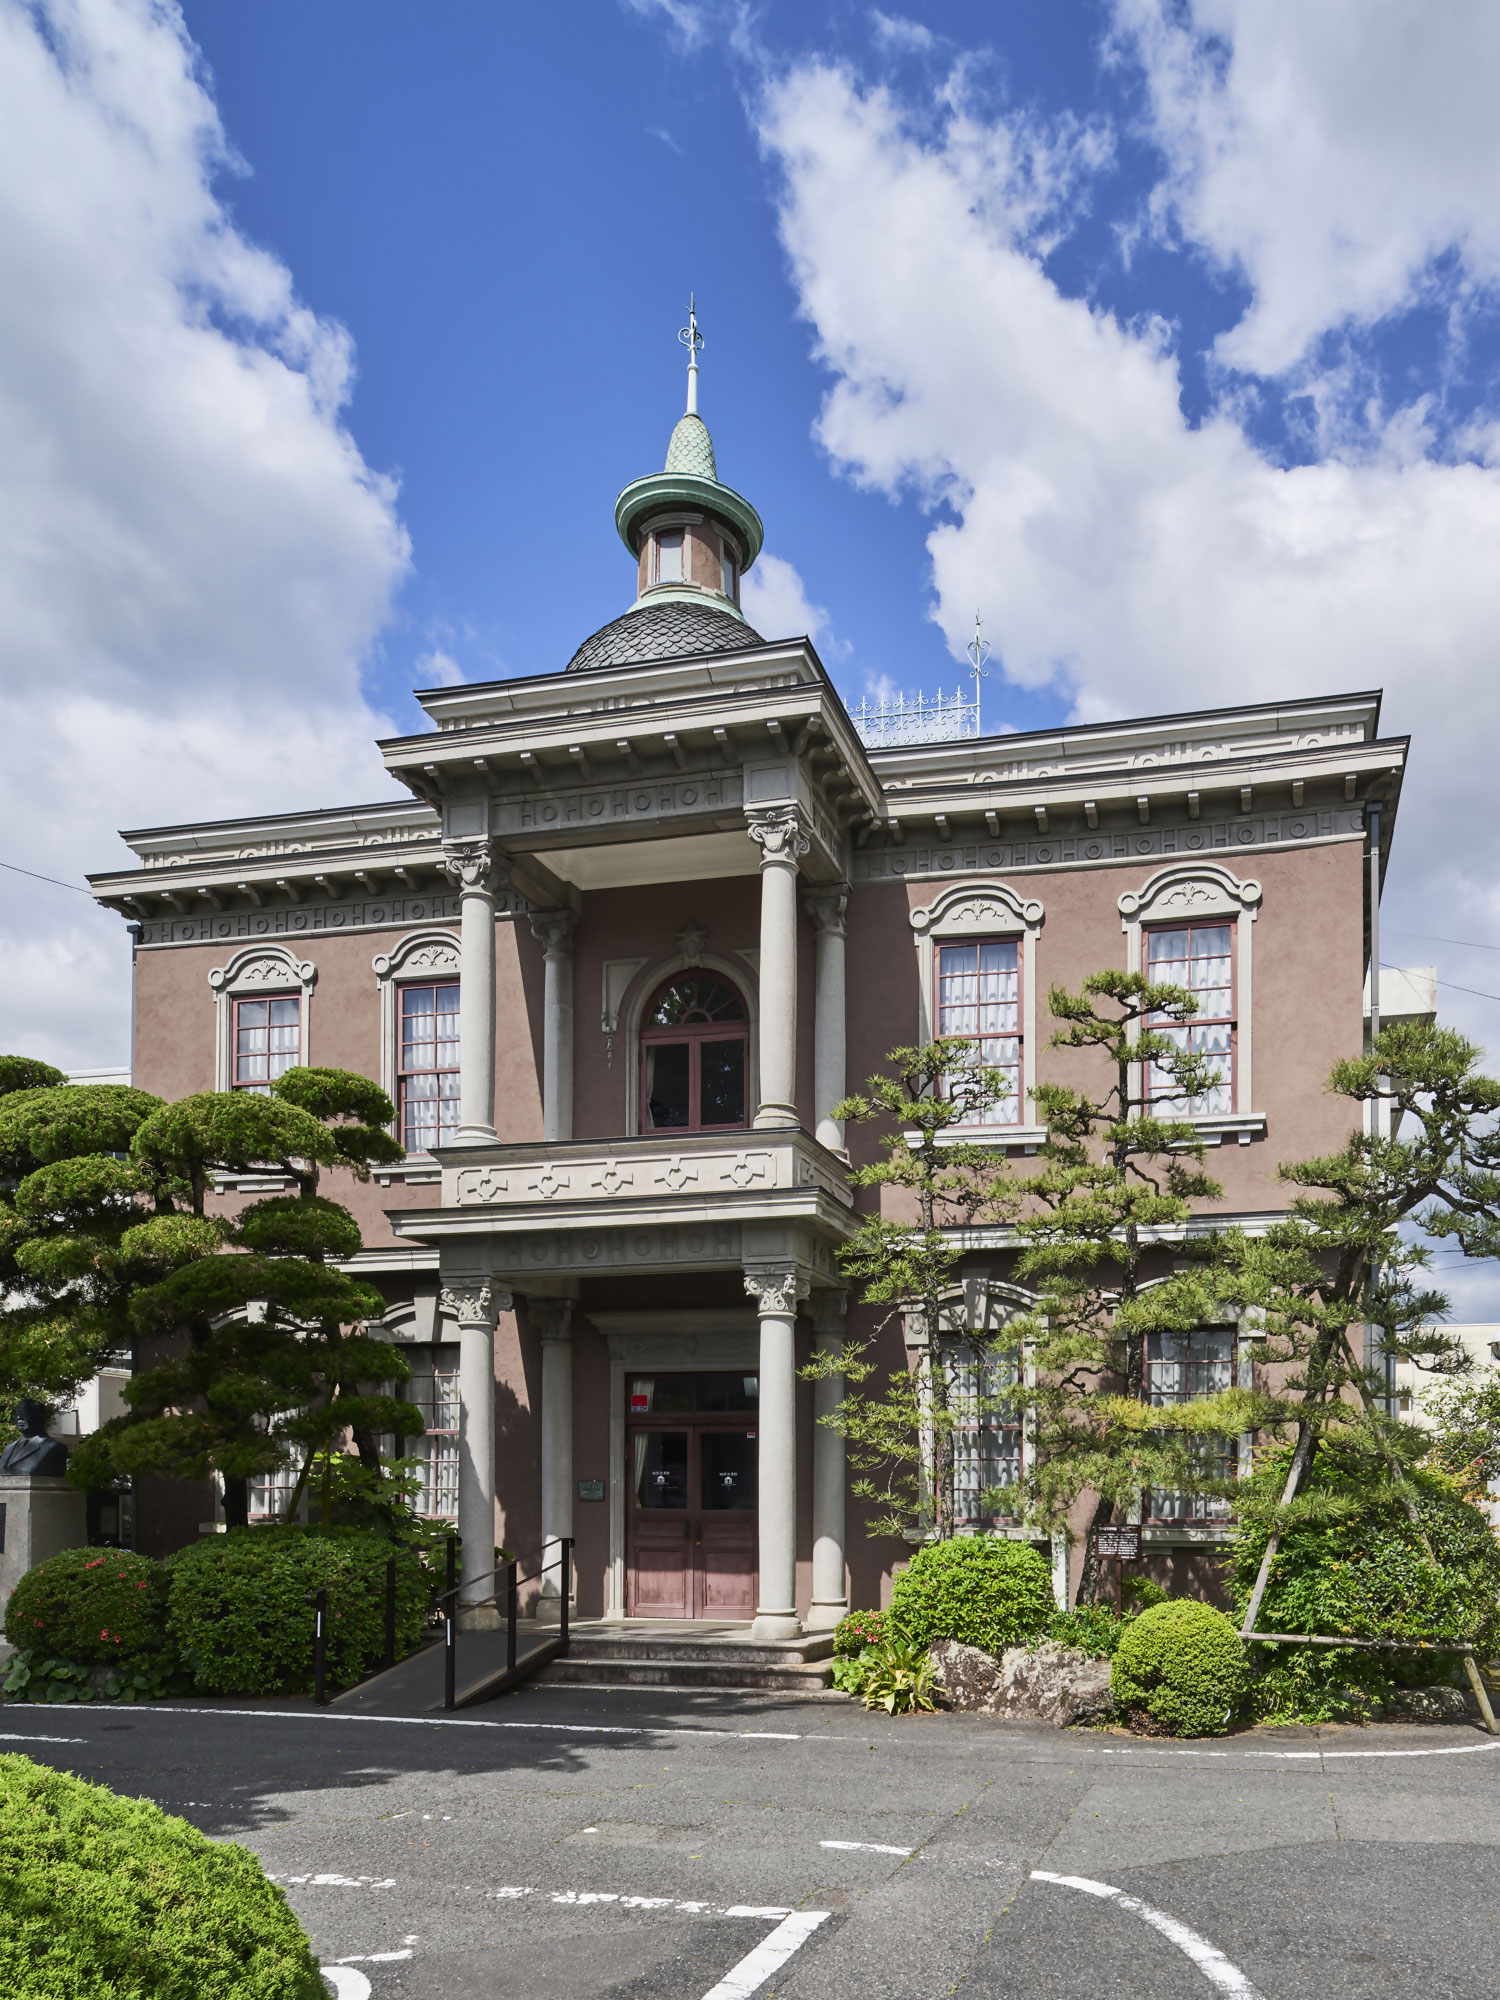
[
  {"x": 553, "y": 1321},
  {"x": 472, "y": 865},
  {"x": 555, "y": 928},
  {"x": 830, "y": 1594},
  {"x": 827, "y": 907},
  {"x": 474, "y": 1303},
  {"x": 776, "y": 1289},
  {"x": 779, "y": 833}
]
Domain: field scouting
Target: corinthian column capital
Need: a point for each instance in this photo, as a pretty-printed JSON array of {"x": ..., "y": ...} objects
[
  {"x": 474, "y": 1301},
  {"x": 471, "y": 863},
  {"x": 826, "y": 907},
  {"x": 554, "y": 929},
  {"x": 775, "y": 1288},
  {"x": 779, "y": 833}
]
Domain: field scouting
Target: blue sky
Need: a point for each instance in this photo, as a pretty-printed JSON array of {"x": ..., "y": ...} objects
[{"x": 1163, "y": 332}]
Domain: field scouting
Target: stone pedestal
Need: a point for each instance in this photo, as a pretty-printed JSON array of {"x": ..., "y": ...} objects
[{"x": 41, "y": 1518}]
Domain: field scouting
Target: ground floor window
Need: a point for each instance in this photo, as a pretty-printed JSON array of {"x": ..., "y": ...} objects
[
  {"x": 271, "y": 1492},
  {"x": 1180, "y": 1368},
  {"x": 433, "y": 1387},
  {"x": 986, "y": 1439}
]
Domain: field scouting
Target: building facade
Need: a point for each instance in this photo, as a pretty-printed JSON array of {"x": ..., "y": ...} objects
[{"x": 626, "y": 940}]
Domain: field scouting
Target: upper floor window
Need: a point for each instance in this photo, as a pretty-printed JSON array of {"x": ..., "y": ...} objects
[
  {"x": 267, "y": 1040},
  {"x": 669, "y": 551},
  {"x": 427, "y": 1066},
  {"x": 1199, "y": 957},
  {"x": 694, "y": 1045},
  {"x": 1180, "y": 1368},
  {"x": 979, "y": 999},
  {"x": 730, "y": 572}
]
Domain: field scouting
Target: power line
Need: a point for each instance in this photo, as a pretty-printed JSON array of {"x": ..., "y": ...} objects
[
  {"x": 1444, "y": 982},
  {"x": 1468, "y": 944},
  {"x": 47, "y": 878}
]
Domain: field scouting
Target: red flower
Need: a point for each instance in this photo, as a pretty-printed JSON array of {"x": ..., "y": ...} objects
[{"x": 95, "y": 1564}]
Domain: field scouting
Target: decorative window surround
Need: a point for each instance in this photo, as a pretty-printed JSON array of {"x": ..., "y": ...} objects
[
  {"x": 260, "y": 971},
  {"x": 632, "y": 1004},
  {"x": 973, "y": 911},
  {"x": 1198, "y": 892},
  {"x": 426, "y": 955}
]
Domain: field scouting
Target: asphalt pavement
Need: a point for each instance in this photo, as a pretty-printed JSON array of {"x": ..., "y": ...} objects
[{"x": 568, "y": 1844}]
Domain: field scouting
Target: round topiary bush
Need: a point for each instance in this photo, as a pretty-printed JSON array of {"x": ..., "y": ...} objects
[
  {"x": 1180, "y": 1670},
  {"x": 91, "y": 1606},
  {"x": 981, "y": 1589},
  {"x": 240, "y": 1612},
  {"x": 104, "y": 1898}
]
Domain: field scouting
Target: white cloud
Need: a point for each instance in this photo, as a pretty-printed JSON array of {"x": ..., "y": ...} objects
[
  {"x": 774, "y": 598},
  {"x": 1331, "y": 152},
  {"x": 194, "y": 558},
  {"x": 438, "y": 669},
  {"x": 685, "y": 17},
  {"x": 1117, "y": 553}
]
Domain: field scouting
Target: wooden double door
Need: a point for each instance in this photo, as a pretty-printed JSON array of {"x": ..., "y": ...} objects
[{"x": 692, "y": 1523}]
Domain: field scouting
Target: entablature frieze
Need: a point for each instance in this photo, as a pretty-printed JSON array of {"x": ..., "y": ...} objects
[
  {"x": 963, "y": 854},
  {"x": 636, "y": 1170}
]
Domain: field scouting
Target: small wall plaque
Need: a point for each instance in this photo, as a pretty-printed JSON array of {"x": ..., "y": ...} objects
[{"x": 591, "y": 1489}]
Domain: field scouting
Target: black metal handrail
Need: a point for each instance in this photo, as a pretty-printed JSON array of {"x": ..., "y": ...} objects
[
  {"x": 450, "y": 1597},
  {"x": 319, "y": 1600}
]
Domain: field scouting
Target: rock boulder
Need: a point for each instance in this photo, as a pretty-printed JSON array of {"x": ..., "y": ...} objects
[{"x": 1046, "y": 1683}]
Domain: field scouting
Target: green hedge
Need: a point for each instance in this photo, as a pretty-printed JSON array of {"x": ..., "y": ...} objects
[
  {"x": 1179, "y": 1669},
  {"x": 982, "y": 1589},
  {"x": 91, "y": 1606},
  {"x": 239, "y": 1611},
  {"x": 104, "y": 1898}
]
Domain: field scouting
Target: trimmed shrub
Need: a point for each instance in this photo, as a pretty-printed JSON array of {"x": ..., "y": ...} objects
[
  {"x": 1090, "y": 1628},
  {"x": 1362, "y": 1571},
  {"x": 91, "y": 1606},
  {"x": 898, "y": 1678},
  {"x": 852, "y": 1634},
  {"x": 104, "y": 1898},
  {"x": 982, "y": 1589},
  {"x": 1179, "y": 1670},
  {"x": 240, "y": 1610}
]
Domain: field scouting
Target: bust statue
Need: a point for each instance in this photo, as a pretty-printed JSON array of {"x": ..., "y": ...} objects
[{"x": 33, "y": 1454}]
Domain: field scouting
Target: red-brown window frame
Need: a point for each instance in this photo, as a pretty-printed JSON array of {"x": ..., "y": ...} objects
[
  {"x": 258, "y": 1083},
  {"x": 966, "y": 944},
  {"x": 402, "y": 1073},
  {"x": 1201, "y": 1020},
  {"x": 695, "y": 1033},
  {"x": 1148, "y": 1512}
]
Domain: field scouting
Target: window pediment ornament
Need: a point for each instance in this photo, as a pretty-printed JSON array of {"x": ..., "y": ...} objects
[
  {"x": 261, "y": 968},
  {"x": 433, "y": 952},
  {"x": 1191, "y": 890},
  {"x": 974, "y": 907}
]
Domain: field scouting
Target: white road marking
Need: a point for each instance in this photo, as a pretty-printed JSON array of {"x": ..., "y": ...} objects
[
  {"x": 374, "y": 1958},
  {"x": 865, "y": 1846},
  {"x": 14, "y": 1736},
  {"x": 856, "y": 1739},
  {"x": 346, "y": 1982},
  {"x": 334, "y": 1881},
  {"x": 769, "y": 1956},
  {"x": 580, "y": 1898},
  {"x": 1208, "y": 1958}
]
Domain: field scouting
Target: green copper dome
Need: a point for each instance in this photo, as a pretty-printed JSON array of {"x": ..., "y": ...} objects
[{"x": 692, "y": 449}]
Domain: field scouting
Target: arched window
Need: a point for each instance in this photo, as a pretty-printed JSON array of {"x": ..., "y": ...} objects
[{"x": 694, "y": 1041}]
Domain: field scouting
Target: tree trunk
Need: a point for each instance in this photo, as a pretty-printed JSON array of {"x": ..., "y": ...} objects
[
  {"x": 1091, "y": 1583},
  {"x": 236, "y": 1501}
]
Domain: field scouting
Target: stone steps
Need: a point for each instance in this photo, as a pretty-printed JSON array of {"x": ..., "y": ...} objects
[
  {"x": 683, "y": 1648},
  {"x": 635, "y": 1670}
]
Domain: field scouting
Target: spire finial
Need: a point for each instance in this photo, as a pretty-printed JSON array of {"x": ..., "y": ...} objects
[
  {"x": 978, "y": 650},
  {"x": 692, "y": 340}
]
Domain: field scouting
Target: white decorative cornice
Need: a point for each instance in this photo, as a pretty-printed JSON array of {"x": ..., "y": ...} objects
[
  {"x": 1193, "y": 888},
  {"x": 977, "y": 906},
  {"x": 260, "y": 968}
]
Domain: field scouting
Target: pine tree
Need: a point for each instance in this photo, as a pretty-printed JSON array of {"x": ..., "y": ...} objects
[{"x": 901, "y": 1426}]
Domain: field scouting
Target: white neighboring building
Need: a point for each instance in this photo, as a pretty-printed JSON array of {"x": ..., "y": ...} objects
[{"x": 1414, "y": 1385}]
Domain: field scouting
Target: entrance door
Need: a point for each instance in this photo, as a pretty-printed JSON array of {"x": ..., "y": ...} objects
[{"x": 692, "y": 1516}]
